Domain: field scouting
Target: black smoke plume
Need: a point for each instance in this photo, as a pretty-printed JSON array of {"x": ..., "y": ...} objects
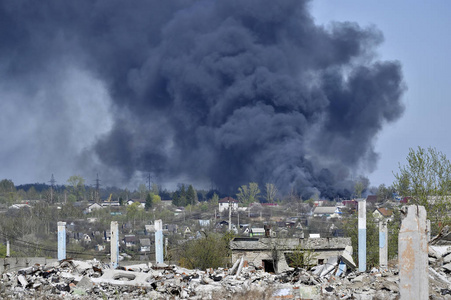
[{"x": 216, "y": 92}]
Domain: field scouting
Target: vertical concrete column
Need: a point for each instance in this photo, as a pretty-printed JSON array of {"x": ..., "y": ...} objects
[
  {"x": 114, "y": 227},
  {"x": 8, "y": 250},
  {"x": 159, "y": 241},
  {"x": 230, "y": 217},
  {"x": 383, "y": 245},
  {"x": 362, "y": 235},
  {"x": 61, "y": 240},
  {"x": 413, "y": 254},
  {"x": 166, "y": 243},
  {"x": 428, "y": 228}
]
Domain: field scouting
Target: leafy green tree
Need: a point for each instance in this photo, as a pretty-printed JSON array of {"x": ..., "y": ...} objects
[
  {"x": 176, "y": 199},
  {"x": 179, "y": 197},
  {"x": 384, "y": 193},
  {"x": 133, "y": 211},
  {"x": 182, "y": 194},
  {"x": 155, "y": 189},
  {"x": 142, "y": 190},
  {"x": 77, "y": 186},
  {"x": 71, "y": 198},
  {"x": 214, "y": 199},
  {"x": 149, "y": 199},
  {"x": 358, "y": 189},
  {"x": 426, "y": 178},
  {"x": 248, "y": 194},
  {"x": 7, "y": 186},
  {"x": 393, "y": 232},
  {"x": 8, "y": 194},
  {"x": 32, "y": 194},
  {"x": 207, "y": 252},
  {"x": 2, "y": 251},
  {"x": 156, "y": 199},
  {"x": 302, "y": 257},
  {"x": 191, "y": 195}
]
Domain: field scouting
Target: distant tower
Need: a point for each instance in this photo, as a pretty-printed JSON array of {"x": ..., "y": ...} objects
[
  {"x": 97, "y": 192},
  {"x": 52, "y": 186}
]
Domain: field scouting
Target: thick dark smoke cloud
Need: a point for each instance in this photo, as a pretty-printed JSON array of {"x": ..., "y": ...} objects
[{"x": 214, "y": 92}]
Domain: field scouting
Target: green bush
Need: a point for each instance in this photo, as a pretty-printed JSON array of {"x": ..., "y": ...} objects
[{"x": 207, "y": 252}]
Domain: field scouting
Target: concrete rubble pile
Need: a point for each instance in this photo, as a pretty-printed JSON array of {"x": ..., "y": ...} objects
[{"x": 336, "y": 279}]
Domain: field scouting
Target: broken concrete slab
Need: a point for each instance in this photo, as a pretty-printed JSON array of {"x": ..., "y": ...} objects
[
  {"x": 23, "y": 281},
  {"x": 174, "y": 282}
]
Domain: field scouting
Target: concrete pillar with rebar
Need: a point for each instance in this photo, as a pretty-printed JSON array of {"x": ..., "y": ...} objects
[
  {"x": 383, "y": 245},
  {"x": 413, "y": 254},
  {"x": 159, "y": 242},
  {"x": 362, "y": 235},
  {"x": 114, "y": 240},
  {"x": 61, "y": 240}
]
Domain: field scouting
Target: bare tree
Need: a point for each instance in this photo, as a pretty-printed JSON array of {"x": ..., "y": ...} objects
[{"x": 271, "y": 192}]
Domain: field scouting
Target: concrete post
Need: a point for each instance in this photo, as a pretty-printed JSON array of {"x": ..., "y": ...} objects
[
  {"x": 166, "y": 243},
  {"x": 159, "y": 242},
  {"x": 61, "y": 240},
  {"x": 230, "y": 217},
  {"x": 413, "y": 254},
  {"x": 8, "y": 250},
  {"x": 428, "y": 226},
  {"x": 114, "y": 227},
  {"x": 383, "y": 245},
  {"x": 362, "y": 235}
]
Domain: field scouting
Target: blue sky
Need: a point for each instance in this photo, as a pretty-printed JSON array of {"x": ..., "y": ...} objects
[{"x": 417, "y": 34}]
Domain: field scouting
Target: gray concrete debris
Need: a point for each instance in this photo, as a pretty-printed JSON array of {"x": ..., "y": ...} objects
[{"x": 72, "y": 279}]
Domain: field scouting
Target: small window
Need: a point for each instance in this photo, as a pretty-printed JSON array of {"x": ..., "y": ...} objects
[{"x": 320, "y": 261}]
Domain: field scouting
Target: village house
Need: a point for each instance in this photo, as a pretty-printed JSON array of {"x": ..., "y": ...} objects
[
  {"x": 107, "y": 235},
  {"x": 327, "y": 211},
  {"x": 142, "y": 203},
  {"x": 227, "y": 202},
  {"x": 255, "y": 232},
  {"x": 204, "y": 223},
  {"x": 382, "y": 213},
  {"x": 92, "y": 207},
  {"x": 130, "y": 240},
  {"x": 145, "y": 245},
  {"x": 170, "y": 228},
  {"x": 371, "y": 200},
  {"x": 185, "y": 231}
]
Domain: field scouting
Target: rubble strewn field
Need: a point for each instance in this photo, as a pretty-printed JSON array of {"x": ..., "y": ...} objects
[{"x": 94, "y": 280}]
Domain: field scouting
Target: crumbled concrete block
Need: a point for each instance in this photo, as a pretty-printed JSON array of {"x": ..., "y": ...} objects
[
  {"x": 23, "y": 281},
  {"x": 85, "y": 283}
]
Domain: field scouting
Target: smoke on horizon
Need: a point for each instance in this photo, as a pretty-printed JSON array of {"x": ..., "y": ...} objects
[{"x": 219, "y": 93}]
